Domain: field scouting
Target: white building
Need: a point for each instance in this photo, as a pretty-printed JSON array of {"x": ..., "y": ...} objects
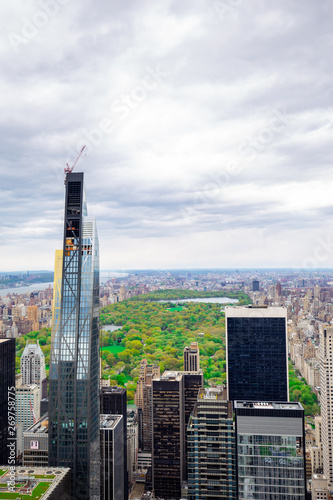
[
  {"x": 33, "y": 367},
  {"x": 132, "y": 444},
  {"x": 326, "y": 398},
  {"x": 27, "y": 405}
]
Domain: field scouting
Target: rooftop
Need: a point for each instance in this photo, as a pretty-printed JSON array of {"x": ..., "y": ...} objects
[
  {"x": 176, "y": 375},
  {"x": 268, "y": 405},
  {"x": 40, "y": 427},
  {"x": 216, "y": 393},
  {"x": 255, "y": 312},
  {"x": 33, "y": 483},
  {"x": 110, "y": 421}
]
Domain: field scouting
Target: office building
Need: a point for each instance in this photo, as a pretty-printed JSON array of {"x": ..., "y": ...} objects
[
  {"x": 74, "y": 431},
  {"x": 211, "y": 448},
  {"x": 143, "y": 401},
  {"x": 319, "y": 488},
  {"x": 256, "y": 352},
  {"x": 27, "y": 405},
  {"x": 33, "y": 367},
  {"x": 44, "y": 406},
  {"x": 36, "y": 444},
  {"x": 114, "y": 402},
  {"x": 32, "y": 316},
  {"x": 44, "y": 483},
  {"x": 270, "y": 450},
  {"x": 326, "y": 399},
  {"x": 255, "y": 286},
  {"x": 192, "y": 358},
  {"x": 174, "y": 398},
  {"x": 7, "y": 394},
  {"x": 132, "y": 441},
  {"x": 112, "y": 458}
]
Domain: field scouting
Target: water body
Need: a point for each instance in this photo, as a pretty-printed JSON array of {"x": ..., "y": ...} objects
[
  {"x": 212, "y": 300},
  {"x": 19, "y": 290},
  {"x": 110, "y": 328}
]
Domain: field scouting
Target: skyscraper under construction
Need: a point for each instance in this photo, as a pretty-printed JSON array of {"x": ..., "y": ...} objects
[{"x": 74, "y": 363}]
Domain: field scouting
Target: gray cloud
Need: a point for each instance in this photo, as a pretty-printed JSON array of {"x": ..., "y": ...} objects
[{"x": 160, "y": 177}]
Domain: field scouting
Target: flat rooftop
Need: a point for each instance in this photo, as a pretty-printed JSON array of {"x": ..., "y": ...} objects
[
  {"x": 40, "y": 427},
  {"x": 268, "y": 405},
  {"x": 176, "y": 375},
  {"x": 214, "y": 393},
  {"x": 30, "y": 482},
  {"x": 255, "y": 312},
  {"x": 109, "y": 421}
]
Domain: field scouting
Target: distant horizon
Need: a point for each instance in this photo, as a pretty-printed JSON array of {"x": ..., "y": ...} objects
[{"x": 185, "y": 269}]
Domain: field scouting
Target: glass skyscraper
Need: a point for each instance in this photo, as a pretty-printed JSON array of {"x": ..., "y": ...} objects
[
  {"x": 256, "y": 348},
  {"x": 270, "y": 450},
  {"x": 74, "y": 364}
]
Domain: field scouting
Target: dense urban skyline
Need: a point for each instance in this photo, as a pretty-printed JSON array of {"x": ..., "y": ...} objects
[{"x": 220, "y": 134}]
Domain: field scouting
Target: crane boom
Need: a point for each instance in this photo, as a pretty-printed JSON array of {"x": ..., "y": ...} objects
[{"x": 68, "y": 169}]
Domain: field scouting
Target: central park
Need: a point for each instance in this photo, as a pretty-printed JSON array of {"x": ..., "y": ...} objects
[{"x": 144, "y": 328}]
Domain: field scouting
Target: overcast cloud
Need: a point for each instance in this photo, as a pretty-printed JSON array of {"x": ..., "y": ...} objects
[{"x": 208, "y": 126}]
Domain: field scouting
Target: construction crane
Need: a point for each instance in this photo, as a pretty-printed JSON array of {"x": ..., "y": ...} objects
[
  {"x": 33, "y": 412},
  {"x": 69, "y": 169}
]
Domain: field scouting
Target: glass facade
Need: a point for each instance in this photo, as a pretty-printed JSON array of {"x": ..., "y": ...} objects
[
  {"x": 257, "y": 357},
  {"x": 74, "y": 364},
  {"x": 270, "y": 467},
  {"x": 174, "y": 397},
  {"x": 270, "y": 454},
  {"x": 7, "y": 395},
  {"x": 211, "y": 449}
]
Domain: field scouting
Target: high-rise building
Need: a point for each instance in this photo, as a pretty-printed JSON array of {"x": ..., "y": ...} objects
[
  {"x": 132, "y": 441},
  {"x": 256, "y": 348},
  {"x": 114, "y": 402},
  {"x": 143, "y": 401},
  {"x": 32, "y": 316},
  {"x": 211, "y": 448},
  {"x": 192, "y": 358},
  {"x": 255, "y": 286},
  {"x": 326, "y": 398},
  {"x": 33, "y": 367},
  {"x": 174, "y": 397},
  {"x": 112, "y": 458},
  {"x": 36, "y": 444},
  {"x": 7, "y": 395},
  {"x": 27, "y": 405},
  {"x": 270, "y": 450},
  {"x": 74, "y": 433}
]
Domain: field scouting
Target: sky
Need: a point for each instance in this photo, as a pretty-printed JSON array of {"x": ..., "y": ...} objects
[{"x": 207, "y": 125}]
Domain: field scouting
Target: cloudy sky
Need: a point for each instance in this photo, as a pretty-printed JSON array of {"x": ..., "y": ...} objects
[{"x": 207, "y": 125}]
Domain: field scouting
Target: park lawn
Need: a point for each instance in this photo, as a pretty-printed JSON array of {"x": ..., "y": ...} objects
[
  {"x": 49, "y": 476},
  {"x": 3, "y": 471},
  {"x": 176, "y": 308},
  {"x": 36, "y": 493},
  {"x": 40, "y": 489},
  {"x": 114, "y": 349}
]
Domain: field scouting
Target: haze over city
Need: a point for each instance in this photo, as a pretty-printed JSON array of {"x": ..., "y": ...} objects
[{"x": 207, "y": 126}]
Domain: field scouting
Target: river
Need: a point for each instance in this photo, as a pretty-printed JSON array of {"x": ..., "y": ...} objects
[{"x": 25, "y": 289}]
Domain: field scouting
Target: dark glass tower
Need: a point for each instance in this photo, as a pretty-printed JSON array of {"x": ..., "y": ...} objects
[
  {"x": 7, "y": 398},
  {"x": 257, "y": 366},
  {"x": 174, "y": 397},
  {"x": 114, "y": 402},
  {"x": 74, "y": 366}
]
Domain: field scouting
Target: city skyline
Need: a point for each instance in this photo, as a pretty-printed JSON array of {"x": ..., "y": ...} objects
[{"x": 220, "y": 130}]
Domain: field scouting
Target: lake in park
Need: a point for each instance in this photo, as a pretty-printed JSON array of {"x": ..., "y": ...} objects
[
  {"x": 212, "y": 300},
  {"x": 110, "y": 328}
]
